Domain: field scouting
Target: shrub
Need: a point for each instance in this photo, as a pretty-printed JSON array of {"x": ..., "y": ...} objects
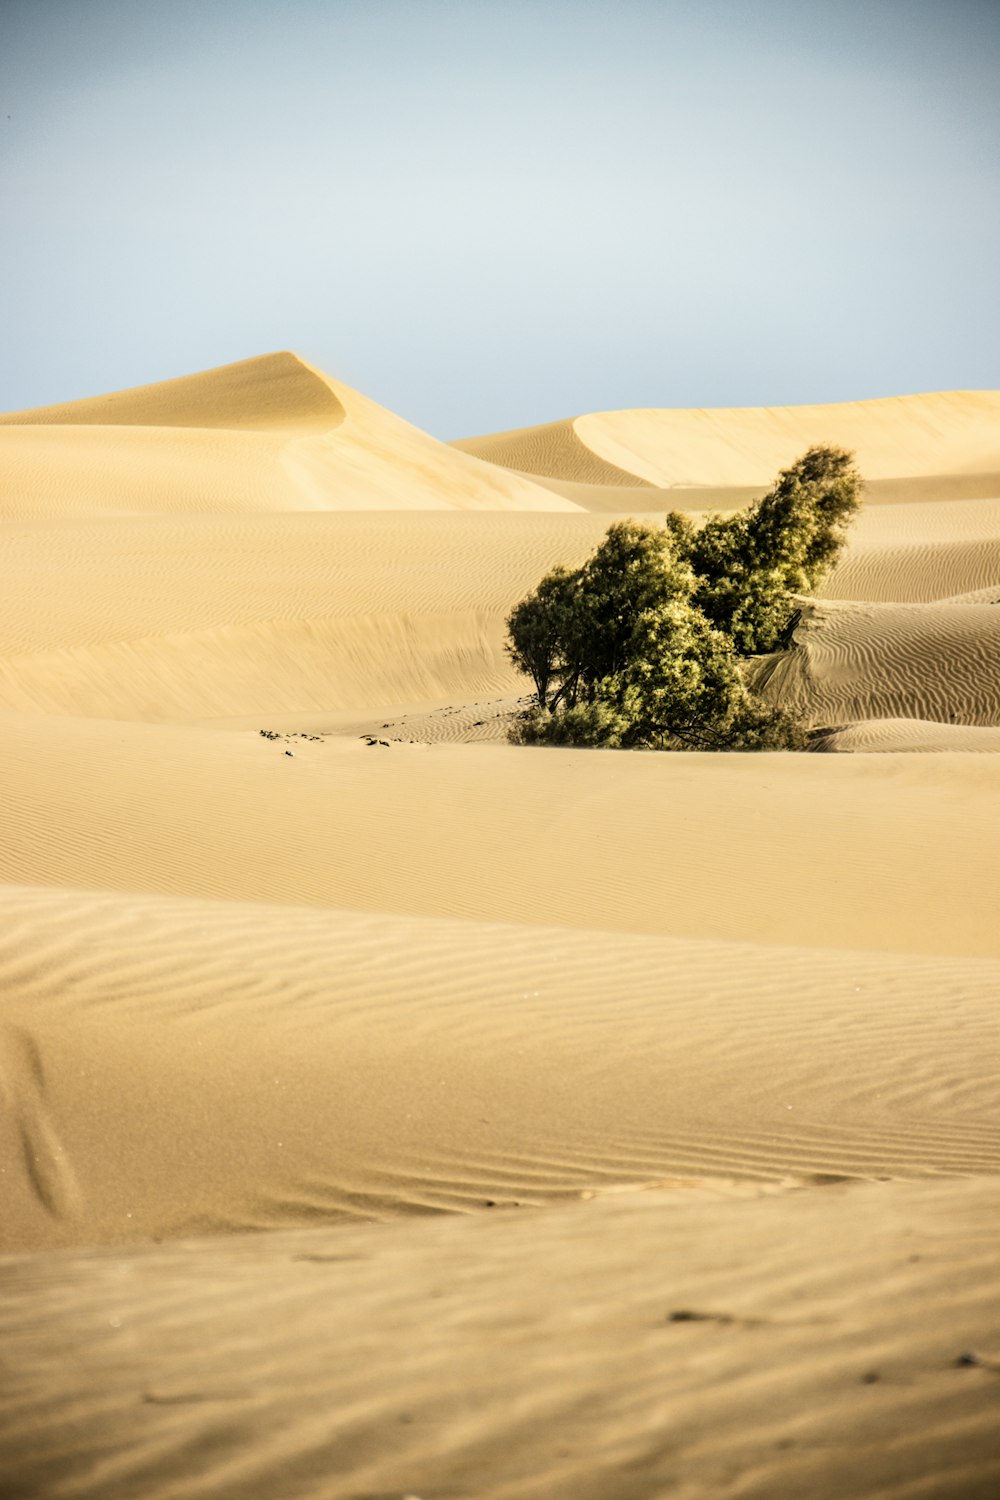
[{"x": 641, "y": 646}]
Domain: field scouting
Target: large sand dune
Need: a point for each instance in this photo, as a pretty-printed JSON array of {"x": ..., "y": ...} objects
[
  {"x": 695, "y": 1056},
  {"x": 266, "y": 434}
]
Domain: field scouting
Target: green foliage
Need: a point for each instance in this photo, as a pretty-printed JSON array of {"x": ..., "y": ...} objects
[
  {"x": 596, "y": 725},
  {"x": 641, "y": 646},
  {"x": 576, "y": 629},
  {"x": 749, "y": 566}
]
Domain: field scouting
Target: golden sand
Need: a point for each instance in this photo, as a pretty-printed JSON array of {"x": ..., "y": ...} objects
[{"x": 612, "y": 1126}]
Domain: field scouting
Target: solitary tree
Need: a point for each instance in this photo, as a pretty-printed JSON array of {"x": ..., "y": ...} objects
[{"x": 641, "y": 646}]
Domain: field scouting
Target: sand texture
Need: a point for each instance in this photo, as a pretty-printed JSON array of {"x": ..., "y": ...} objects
[{"x": 389, "y": 1111}]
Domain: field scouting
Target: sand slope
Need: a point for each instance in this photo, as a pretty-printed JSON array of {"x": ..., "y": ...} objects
[
  {"x": 912, "y": 735},
  {"x": 665, "y": 1342},
  {"x": 209, "y": 617},
  {"x": 891, "y": 661},
  {"x": 919, "y": 553},
  {"x": 173, "y": 1066},
  {"x": 729, "y": 847},
  {"x": 648, "y": 1036}
]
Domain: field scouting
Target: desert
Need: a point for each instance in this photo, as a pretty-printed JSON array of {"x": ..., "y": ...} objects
[{"x": 391, "y": 1110}]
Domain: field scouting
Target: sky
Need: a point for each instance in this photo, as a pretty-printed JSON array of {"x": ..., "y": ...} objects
[{"x": 490, "y": 213}]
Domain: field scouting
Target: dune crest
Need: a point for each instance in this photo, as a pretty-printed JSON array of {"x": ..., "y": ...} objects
[{"x": 271, "y": 393}]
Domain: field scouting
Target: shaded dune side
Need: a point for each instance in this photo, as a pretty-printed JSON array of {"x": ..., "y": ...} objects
[
  {"x": 265, "y": 671},
  {"x": 177, "y": 1067},
  {"x": 890, "y": 661},
  {"x": 552, "y": 451},
  {"x": 204, "y": 617},
  {"x": 807, "y": 1343},
  {"x": 151, "y": 575},
  {"x": 757, "y": 845}
]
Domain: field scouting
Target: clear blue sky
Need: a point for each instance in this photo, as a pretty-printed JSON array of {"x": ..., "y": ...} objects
[{"x": 485, "y": 213}]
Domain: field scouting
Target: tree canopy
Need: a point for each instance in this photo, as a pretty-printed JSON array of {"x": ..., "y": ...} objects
[{"x": 641, "y": 647}]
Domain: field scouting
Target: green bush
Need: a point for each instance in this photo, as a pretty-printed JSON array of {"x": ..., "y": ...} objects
[{"x": 641, "y": 647}]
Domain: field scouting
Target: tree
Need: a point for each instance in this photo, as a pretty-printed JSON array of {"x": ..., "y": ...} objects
[{"x": 641, "y": 646}]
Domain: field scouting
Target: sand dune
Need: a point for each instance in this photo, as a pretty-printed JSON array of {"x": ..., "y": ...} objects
[
  {"x": 274, "y": 393},
  {"x": 692, "y": 1058},
  {"x": 918, "y": 553},
  {"x": 208, "y": 617},
  {"x": 947, "y": 443},
  {"x": 266, "y": 434},
  {"x": 913, "y": 735}
]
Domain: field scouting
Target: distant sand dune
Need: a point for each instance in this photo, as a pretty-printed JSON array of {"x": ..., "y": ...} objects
[
  {"x": 947, "y": 444},
  {"x": 274, "y": 393},
  {"x": 553, "y": 451}
]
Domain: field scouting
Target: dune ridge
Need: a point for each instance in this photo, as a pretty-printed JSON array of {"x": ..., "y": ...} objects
[{"x": 272, "y": 393}]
